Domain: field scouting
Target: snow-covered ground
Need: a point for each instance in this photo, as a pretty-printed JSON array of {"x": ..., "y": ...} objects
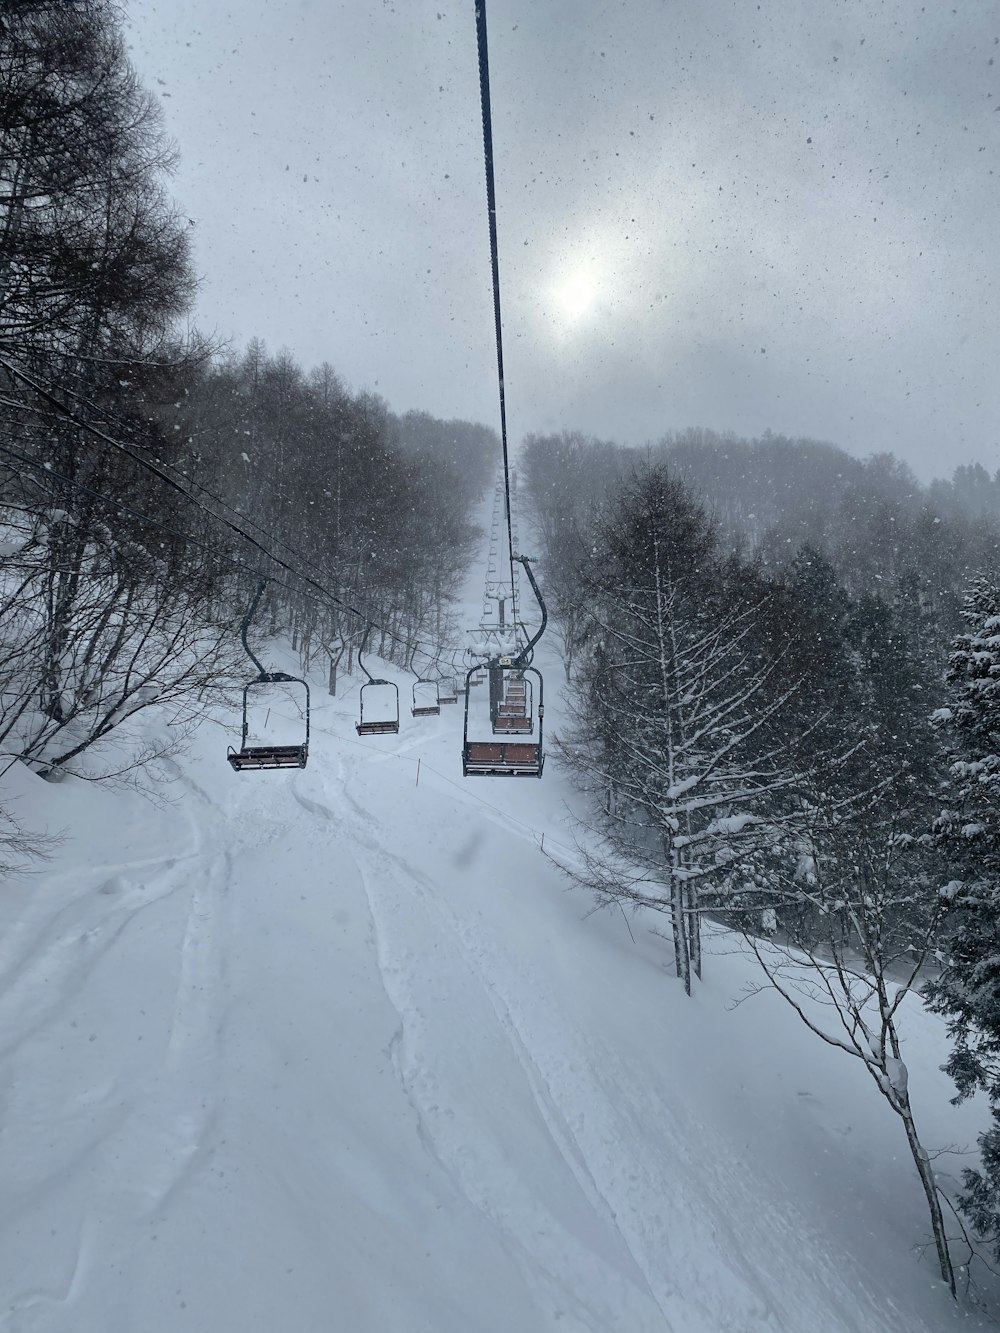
[{"x": 339, "y": 1050}]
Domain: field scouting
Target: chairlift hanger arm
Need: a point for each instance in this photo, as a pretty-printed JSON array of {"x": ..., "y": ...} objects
[
  {"x": 525, "y": 652},
  {"x": 363, "y": 648},
  {"x": 261, "y": 673},
  {"x": 263, "y": 677}
]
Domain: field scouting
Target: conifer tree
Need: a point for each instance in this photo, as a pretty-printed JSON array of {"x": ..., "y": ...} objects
[{"x": 968, "y": 989}]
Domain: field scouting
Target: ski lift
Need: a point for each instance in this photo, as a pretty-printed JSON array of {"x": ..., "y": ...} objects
[
  {"x": 375, "y": 726},
  {"x": 504, "y": 758},
  {"x": 513, "y": 712},
  {"x": 448, "y": 691},
  {"x": 426, "y": 703},
  {"x": 501, "y": 757},
  {"x": 258, "y": 755}
]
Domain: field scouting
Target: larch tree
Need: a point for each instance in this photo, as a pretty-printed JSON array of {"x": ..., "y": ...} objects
[
  {"x": 103, "y": 614},
  {"x": 678, "y": 701}
]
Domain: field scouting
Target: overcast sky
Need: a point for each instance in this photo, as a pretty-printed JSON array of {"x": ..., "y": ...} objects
[{"x": 735, "y": 215}]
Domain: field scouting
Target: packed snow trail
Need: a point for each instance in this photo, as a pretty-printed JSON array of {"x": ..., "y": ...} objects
[
  {"x": 252, "y": 1163},
  {"x": 331, "y": 1050}
]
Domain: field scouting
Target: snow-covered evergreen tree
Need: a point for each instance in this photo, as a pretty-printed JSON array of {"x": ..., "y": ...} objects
[{"x": 968, "y": 989}]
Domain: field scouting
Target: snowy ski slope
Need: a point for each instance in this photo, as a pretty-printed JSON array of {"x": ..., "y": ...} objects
[{"x": 334, "y": 1052}]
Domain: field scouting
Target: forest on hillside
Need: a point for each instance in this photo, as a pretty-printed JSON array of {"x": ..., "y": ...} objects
[
  {"x": 783, "y": 661},
  {"x": 784, "y": 667},
  {"x": 151, "y": 480}
]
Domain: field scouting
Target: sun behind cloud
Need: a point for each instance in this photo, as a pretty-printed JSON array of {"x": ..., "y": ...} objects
[{"x": 574, "y": 295}]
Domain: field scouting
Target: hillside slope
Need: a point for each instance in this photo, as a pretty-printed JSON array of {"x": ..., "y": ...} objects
[{"x": 339, "y": 1050}]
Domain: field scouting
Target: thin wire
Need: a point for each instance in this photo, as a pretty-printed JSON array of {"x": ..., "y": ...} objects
[
  {"x": 491, "y": 208},
  {"x": 188, "y": 480},
  {"x": 216, "y": 551},
  {"x": 181, "y": 490},
  {"x": 545, "y": 835},
  {"x": 213, "y": 550},
  {"x": 157, "y": 467}
]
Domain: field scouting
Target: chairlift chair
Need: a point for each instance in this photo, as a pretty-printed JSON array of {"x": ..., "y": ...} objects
[
  {"x": 424, "y": 706},
  {"x": 258, "y": 755},
  {"x": 426, "y": 709},
  {"x": 377, "y": 726},
  {"x": 503, "y": 758},
  {"x": 514, "y": 713},
  {"x": 382, "y": 726},
  {"x": 448, "y": 692}
]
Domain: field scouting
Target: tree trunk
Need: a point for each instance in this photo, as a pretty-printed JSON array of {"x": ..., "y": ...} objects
[
  {"x": 930, "y": 1190},
  {"x": 66, "y": 552},
  {"x": 682, "y": 955},
  {"x": 693, "y": 928}
]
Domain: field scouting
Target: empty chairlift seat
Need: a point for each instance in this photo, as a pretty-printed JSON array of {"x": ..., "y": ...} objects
[
  {"x": 379, "y": 710},
  {"x": 268, "y": 756},
  {"x": 503, "y": 759},
  {"x": 378, "y": 718},
  {"x": 448, "y": 692},
  {"x": 497, "y": 756},
  {"x": 256, "y": 752},
  {"x": 426, "y": 699}
]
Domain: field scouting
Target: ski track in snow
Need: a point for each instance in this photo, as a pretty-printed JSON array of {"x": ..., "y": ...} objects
[
  {"x": 564, "y": 1073},
  {"x": 479, "y": 1125},
  {"x": 38, "y": 932},
  {"x": 547, "y": 1254},
  {"x": 108, "y": 1126},
  {"x": 56, "y": 964},
  {"x": 476, "y": 956}
]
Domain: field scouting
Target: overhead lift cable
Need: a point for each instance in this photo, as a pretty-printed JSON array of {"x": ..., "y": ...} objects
[
  {"x": 50, "y": 474},
  {"x": 502, "y": 757},
  {"x": 109, "y": 418},
  {"x": 181, "y": 490},
  {"x": 491, "y": 208}
]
